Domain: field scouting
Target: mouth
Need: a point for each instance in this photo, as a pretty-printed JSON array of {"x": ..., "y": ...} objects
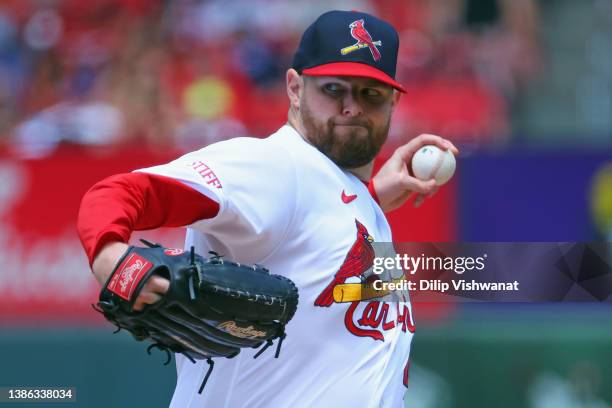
[{"x": 355, "y": 126}]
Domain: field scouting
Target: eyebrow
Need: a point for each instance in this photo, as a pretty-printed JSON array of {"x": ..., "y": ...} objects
[{"x": 368, "y": 82}]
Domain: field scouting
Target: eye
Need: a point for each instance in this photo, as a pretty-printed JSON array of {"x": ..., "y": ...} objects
[
  {"x": 371, "y": 93},
  {"x": 333, "y": 88}
]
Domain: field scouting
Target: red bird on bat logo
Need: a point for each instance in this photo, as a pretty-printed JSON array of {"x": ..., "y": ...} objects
[
  {"x": 358, "y": 260},
  {"x": 364, "y": 39},
  {"x": 365, "y": 319}
]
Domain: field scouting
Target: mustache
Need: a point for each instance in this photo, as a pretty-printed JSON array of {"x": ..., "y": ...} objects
[{"x": 358, "y": 121}]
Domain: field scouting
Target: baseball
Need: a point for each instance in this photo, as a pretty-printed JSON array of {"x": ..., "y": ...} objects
[{"x": 432, "y": 162}]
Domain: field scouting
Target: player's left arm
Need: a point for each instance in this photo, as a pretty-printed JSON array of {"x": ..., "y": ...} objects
[{"x": 394, "y": 183}]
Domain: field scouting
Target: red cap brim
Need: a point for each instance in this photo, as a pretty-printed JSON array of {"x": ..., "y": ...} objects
[{"x": 356, "y": 69}]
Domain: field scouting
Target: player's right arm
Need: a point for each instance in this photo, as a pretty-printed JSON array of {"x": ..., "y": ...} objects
[
  {"x": 115, "y": 207},
  {"x": 241, "y": 191}
]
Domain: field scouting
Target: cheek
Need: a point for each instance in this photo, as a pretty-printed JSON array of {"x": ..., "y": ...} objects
[
  {"x": 380, "y": 116},
  {"x": 379, "y": 109},
  {"x": 325, "y": 107}
]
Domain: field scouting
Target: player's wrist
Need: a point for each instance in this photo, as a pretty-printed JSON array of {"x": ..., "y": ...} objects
[{"x": 105, "y": 261}]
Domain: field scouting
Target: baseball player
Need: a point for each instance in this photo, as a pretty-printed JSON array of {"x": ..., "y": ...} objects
[{"x": 303, "y": 203}]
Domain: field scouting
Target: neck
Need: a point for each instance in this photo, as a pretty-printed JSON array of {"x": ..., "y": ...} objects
[
  {"x": 294, "y": 121},
  {"x": 363, "y": 173}
]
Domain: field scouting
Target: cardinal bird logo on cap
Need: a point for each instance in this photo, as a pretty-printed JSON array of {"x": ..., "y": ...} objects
[{"x": 364, "y": 40}]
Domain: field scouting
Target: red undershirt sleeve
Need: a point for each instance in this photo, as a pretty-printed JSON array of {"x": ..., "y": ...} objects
[{"x": 115, "y": 207}]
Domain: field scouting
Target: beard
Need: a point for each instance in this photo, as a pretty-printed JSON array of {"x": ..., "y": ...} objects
[{"x": 348, "y": 142}]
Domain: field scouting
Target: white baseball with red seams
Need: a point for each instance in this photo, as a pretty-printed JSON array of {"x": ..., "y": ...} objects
[{"x": 431, "y": 162}]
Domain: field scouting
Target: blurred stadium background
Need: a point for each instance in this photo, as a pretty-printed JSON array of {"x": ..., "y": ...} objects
[{"x": 524, "y": 87}]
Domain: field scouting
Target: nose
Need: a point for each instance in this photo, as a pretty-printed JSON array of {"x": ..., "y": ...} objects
[{"x": 350, "y": 106}]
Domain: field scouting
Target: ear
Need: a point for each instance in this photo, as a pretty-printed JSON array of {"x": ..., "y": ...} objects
[
  {"x": 295, "y": 87},
  {"x": 396, "y": 98}
]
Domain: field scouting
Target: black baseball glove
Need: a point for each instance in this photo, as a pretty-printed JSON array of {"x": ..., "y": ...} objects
[{"x": 213, "y": 307}]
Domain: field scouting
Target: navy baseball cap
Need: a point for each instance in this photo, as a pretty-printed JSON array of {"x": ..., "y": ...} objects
[{"x": 349, "y": 43}]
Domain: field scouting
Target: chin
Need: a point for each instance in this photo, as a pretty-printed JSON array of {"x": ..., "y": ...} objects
[{"x": 350, "y": 161}]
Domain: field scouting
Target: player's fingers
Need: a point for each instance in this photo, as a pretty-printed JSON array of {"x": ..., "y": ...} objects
[
  {"x": 442, "y": 143},
  {"x": 420, "y": 186},
  {"x": 407, "y": 151},
  {"x": 453, "y": 148},
  {"x": 146, "y": 298},
  {"x": 158, "y": 284},
  {"x": 420, "y": 199}
]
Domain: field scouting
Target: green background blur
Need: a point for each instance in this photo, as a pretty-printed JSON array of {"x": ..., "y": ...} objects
[{"x": 488, "y": 355}]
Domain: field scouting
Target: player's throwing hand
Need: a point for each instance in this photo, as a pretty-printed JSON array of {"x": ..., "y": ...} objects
[{"x": 395, "y": 183}]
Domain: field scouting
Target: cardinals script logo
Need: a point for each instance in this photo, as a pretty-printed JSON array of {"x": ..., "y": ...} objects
[
  {"x": 364, "y": 40},
  {"x": 363, "y": 319}
]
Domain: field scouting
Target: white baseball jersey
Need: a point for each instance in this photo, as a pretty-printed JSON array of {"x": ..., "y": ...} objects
[{"x": 286, "y": 206}]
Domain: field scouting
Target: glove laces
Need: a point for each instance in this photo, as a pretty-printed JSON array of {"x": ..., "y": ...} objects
[
  {"x": 162, "y": 348},
  {"x": 211, "y": 365},
  {"x": 269, "y": 342}
]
